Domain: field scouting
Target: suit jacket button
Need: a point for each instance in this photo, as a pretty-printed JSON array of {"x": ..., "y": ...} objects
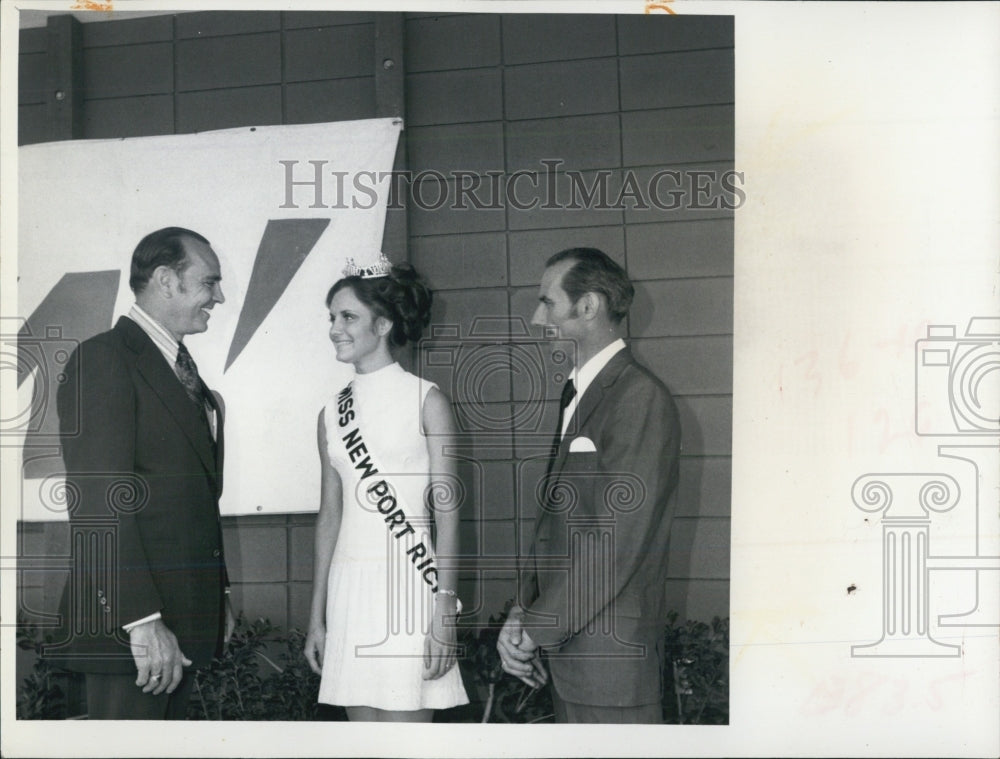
[{"x": 216, "y": 553}]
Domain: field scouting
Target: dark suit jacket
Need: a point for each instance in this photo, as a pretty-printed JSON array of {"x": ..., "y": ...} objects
[
  {"x": 595, "y": 580},
  {"x": 143, "y": 481}
]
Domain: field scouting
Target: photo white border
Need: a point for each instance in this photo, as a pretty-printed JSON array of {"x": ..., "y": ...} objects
[{"x": 869, "y": 138}]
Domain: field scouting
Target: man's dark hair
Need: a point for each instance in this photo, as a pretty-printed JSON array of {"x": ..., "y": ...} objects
[
  {"x": 164, "y": 247},
  {"x": 595, "y": 272}
]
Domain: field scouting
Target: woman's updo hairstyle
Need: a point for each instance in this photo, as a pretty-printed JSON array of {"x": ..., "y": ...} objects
[{"x": 402, "y": 297}]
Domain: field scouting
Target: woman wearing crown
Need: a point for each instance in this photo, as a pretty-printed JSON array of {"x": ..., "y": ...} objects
[{"x": 384, "y": 603}]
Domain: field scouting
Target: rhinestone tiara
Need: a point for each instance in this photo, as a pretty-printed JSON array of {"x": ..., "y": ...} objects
[{"x": 380, "y": 268}]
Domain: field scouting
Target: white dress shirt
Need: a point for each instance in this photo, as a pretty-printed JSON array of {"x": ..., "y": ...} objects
[
  {"x": 168, "y": 346},
  {"x": 583, "y": 376}
]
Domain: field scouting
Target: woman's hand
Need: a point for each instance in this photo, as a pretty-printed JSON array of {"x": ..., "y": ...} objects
[
  {"x": 440, "y": 647},
  {"x": 314, "y": 646}
]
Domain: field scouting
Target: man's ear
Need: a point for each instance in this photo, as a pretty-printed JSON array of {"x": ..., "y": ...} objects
[
  {"x": 164, "y": 279},
  {"x": 589, "y": 305}
]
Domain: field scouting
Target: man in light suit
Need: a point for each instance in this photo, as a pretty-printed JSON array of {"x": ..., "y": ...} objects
[
  {"x": 592, "y": 595},
  {"x": 146, "y": 600}
]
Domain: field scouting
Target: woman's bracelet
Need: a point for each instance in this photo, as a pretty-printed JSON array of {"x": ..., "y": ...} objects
[{"x": 453, "y": 594}]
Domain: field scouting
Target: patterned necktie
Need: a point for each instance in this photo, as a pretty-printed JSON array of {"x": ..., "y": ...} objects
[{"x": 187, "y": 373}]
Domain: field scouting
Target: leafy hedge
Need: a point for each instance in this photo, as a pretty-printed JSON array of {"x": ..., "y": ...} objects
[
  {"x": 250, "y": 681},
  {"x": 262, "y": 675}
]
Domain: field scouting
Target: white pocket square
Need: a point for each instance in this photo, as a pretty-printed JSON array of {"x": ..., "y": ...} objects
[{"x": 582, "y": 445}]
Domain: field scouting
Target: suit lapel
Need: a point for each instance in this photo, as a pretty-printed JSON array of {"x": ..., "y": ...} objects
[
  {"x": 154, "y": 368},
  {"x": 591, "y": 399}
]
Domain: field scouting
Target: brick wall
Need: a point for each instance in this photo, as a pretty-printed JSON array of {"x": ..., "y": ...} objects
[
  {"x": 497, "y": 94},
  {"x": 605, "y": 98}
]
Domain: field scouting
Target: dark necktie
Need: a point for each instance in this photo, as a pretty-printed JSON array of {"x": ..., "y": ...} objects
[
  {"x": 187, "y": 373},
  {"x": 568, "y": 393}
]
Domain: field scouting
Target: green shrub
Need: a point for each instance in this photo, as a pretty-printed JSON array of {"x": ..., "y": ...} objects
[
  {"x": 697, "y": 668},
  {"x": 42, "y": 694},
  {"x": 246, "y": 683},
  {"x": 696, "y": 675},
  {"x": 262, "y": 675}
]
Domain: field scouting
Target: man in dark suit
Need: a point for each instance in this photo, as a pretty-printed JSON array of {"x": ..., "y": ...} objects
[
  {"x": 593, "y": 590},
  {"x": 142, "y": 443}
]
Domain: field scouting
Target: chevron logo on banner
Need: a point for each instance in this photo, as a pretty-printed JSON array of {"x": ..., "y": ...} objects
[{"x": 278, "y": 261}]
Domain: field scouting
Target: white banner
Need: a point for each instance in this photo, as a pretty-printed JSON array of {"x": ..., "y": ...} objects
[{"x": 283, "y": 207}]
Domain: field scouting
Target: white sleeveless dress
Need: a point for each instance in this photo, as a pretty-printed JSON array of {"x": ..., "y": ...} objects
[{"x": 382, "y": 577}]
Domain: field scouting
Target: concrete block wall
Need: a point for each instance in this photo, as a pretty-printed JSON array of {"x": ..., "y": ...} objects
[
  {"x": 487, "y": 98},
  {"x": 191, "y": 72},
  {"x": 492, "y": 96}
]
